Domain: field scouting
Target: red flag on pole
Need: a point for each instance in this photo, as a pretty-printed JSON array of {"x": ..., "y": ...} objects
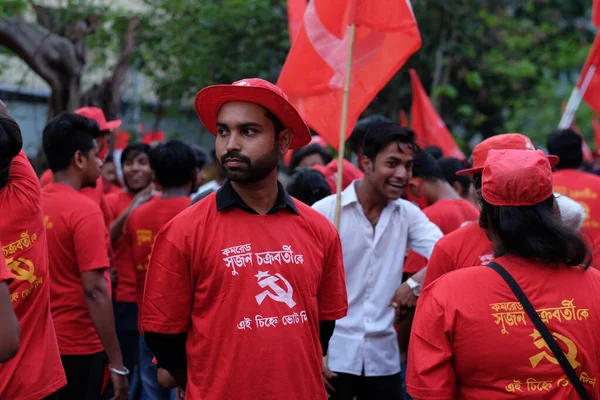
[
  {"x": 596, "y": 127},
  {"x": 427, "y": 124},
  {"x": 295, "y": 9},
  {"x": 121, "y": 140},
  {"x": 153, "y": 136},
  {"x": 589, "y": 79},
  {"x": 596, "y": 13},
  {"x": 313, "y": 75}
]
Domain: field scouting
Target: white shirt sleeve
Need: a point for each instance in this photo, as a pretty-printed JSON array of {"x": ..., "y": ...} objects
[
  {"x": 326, "y": 207},
  {"x": 422, "y": 233}
]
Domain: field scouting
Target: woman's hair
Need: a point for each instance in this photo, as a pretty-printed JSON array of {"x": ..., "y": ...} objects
[{"x": 534, "y": 232}]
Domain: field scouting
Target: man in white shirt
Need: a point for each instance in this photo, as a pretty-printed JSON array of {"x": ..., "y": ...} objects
[{"x": 376, "y": 229}]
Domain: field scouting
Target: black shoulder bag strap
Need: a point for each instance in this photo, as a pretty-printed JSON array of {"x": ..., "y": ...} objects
[{"x": 542, "y": 328}]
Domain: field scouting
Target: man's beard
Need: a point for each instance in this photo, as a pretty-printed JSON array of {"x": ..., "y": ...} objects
[{"x": 252, "y": 171}]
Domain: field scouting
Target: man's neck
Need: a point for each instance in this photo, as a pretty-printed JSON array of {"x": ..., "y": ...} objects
[
  {"x": 260, "y": 196},
  {"x": 174, "y": 192},
  {"x": 446, "y": 192},
  {"x": 67, "y": 178},
  {"x": 371, "y": 202}
]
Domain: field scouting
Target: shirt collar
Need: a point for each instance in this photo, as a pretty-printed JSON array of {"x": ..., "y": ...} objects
[{"x": 228, "y": 197}]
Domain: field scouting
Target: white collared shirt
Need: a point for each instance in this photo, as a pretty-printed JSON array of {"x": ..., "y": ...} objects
[{"x": 373, "y": 261}]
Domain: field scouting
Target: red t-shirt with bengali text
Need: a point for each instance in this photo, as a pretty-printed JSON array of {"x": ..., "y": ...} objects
[
  {"x": 250, "y": 291},
  {"x": 448, "y": 215},
  {"x": 141, "y": 228},
  {"x": 36, "y": 371},
  {"x": 584, "y": 188},
  {"x": 75, "y": 245},
  {"x": 96, "y": 194},
  {"x": 471, "y": 338},
  {"x": 465, "y": 247},
  {"x": 121, "y": 257}
]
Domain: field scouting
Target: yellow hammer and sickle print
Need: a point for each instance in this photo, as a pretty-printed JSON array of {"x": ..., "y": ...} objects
[
  {"x": 20, "y": 273},
  {"x": 540, "y": 343}
]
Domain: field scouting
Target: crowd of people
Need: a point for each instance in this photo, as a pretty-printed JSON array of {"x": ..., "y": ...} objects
[{"x": 130, "y": 277}]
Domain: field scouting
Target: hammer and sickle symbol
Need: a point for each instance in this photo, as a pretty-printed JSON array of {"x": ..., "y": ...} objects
[
  {"x": 540, "y": 343},
  {"x": 20, "y": 273}
]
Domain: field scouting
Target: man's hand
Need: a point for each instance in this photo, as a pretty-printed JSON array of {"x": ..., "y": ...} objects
[
  {"x": 142, "y": 197},
  {"x": 403, "y": 299},
  {"x": 121, "y": 386},
  {"x": 327, "y": 375}
]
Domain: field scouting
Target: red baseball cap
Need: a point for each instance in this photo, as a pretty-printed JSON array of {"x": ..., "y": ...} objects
[
  {"x": 97, "y": 115},
  {"x": 516, "y": 178},
  {"x": 209, "y": 101},
  {"x": 506, "y": 141}
]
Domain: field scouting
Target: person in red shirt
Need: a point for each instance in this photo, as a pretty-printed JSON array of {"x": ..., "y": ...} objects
[
  {"x": 581, "y": 186},
  {"x": 469, "y": 245},
  {"x": 244, "y": 287},
  {"x": 80, "y": 297},
  {"x": 174, "y": 165},
  {"x": 137, "y": 176},
  {"x": 110, "y": 180},
  {"x": 35, "y": 372},
  {"x": 461, "y": 184},
  {"x": 472, "y": 339},
  {"x": 10, "y": 330}
]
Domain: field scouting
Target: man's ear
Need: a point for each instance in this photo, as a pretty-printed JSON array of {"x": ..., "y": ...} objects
[
  {"x": 366, "y": 163},
  {"x": 79, "y": 159},
  {"x": 458, "y": 188},
  {"x": 285, "y": 140}
]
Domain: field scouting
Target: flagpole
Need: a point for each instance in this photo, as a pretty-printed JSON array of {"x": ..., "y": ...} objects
[
  {"x": 343, "y": 124},
  {"x": 575, "y": 99}
]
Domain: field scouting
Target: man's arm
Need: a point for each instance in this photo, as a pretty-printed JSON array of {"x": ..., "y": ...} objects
[
  {"x": 10, "y": 330},
  {"x": 326, "y": 329},
  {"x": 99, "y": 305},
  {"x": 169, "y": 350}
]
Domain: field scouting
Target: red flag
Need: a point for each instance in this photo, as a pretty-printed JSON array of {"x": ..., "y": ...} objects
[
  {"x": 589, "y": 79},
  {"x": 427, "y": 124},
  {"x": 153, "y": 136},
  {"x": 295, "y": 9},
  {"x": 596, "y": 13},
  {"x": 313, "y": 75},
  {"x": 403, "y": 120}
]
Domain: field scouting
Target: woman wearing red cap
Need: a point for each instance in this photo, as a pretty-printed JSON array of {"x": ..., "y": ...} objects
[{"x": 474, "y": 334}]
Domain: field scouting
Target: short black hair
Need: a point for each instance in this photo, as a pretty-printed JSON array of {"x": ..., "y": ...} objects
[
  {"x": 377, "y": 137},
  {"x": 426, "y": 167},
  {"x": 66, "y": 134},
  {"x": 199, "y": 155},
  {"x": 305, "y": 151},
  {"x": 109, "y": 159},
  {"x": 174, "y": 163},
  {"x": 134, "y": 150},
  {"x": 566, "y": 144},
  {"x": 450, "y": 166},
  {"x": 534, "y": 233},
  {"x": 435, "y": 151},
  {"x": 308, "y": 185},
  {"x": 355, "y": 141}
]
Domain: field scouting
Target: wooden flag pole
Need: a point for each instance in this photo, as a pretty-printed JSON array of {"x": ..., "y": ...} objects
[
  {"x": 343, "y": 124},
  {"x": 575, "y": 99}
]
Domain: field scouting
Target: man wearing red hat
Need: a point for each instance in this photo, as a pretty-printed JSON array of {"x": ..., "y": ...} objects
[
  {"x": 524, "y": 326},
  {"x": 469, "y": 245},
  {"x": 244, "y": 287}
]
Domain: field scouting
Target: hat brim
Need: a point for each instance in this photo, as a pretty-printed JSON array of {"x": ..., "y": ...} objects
[
  {"x": 475, "y": 171},
  {"x": 112, "y": 124},
  {"x": 209, "y": 101}
]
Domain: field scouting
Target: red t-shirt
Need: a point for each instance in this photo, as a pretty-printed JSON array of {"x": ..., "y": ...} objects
[
  {"x": 141, "y": 228},
  {"x": 5, "y": 275},
  {"x": 36, "y": 371},
  {"x": 448, "y": 215},
  {"x": 471, "y": 338},
  {"x": 585, "y": 189},
  {"x": 250, "y": 291},
  {"x": 465, "y": 247},
  {"x": 121, "y": 256},
  {"x": 72, "y": 222},
  {"x": 95, "y": 193}
]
